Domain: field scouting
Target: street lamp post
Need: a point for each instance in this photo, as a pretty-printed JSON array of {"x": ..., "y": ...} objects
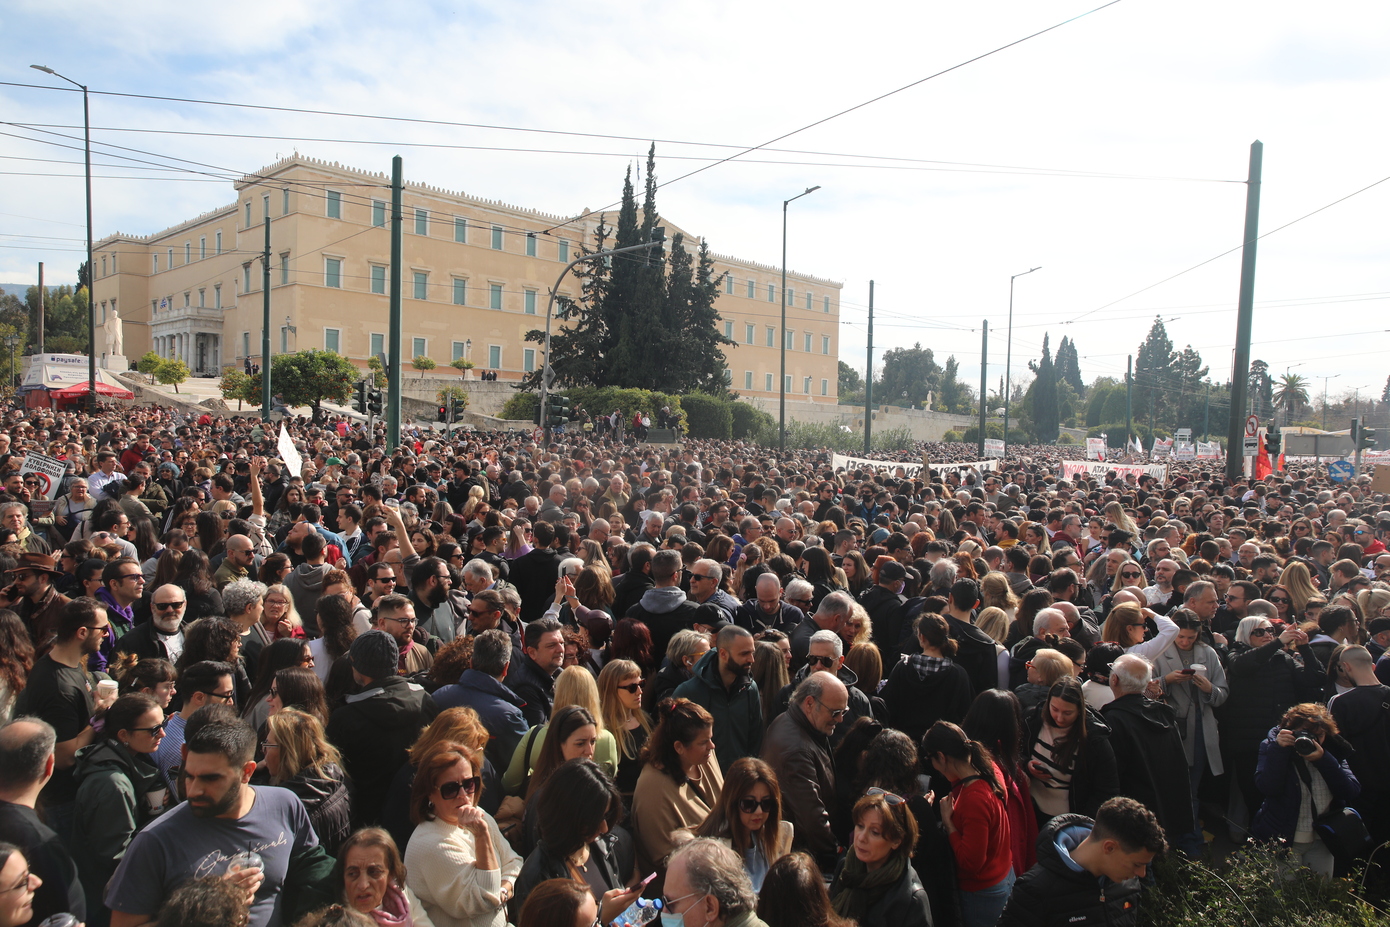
[
  {"x": 1009, "y": 356},
  {"x": 1288, "y": 414},
  {"x": 1324, "y": 380},
  {"x": 91, "y": 268},
  {"x": 12, "y": 340},
  {"x": 782, "y": 333}
]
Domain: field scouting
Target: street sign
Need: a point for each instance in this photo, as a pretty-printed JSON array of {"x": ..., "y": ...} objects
[
  {"x": 1339, "y": 471},
  {"x": 1252, "y": 445},
  {"x": 1252, "y": 426}
]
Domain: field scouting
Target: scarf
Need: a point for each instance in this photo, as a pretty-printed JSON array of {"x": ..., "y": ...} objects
[
  {"x": 394, "y": 910},
  {"x": 861, "y": 889}
]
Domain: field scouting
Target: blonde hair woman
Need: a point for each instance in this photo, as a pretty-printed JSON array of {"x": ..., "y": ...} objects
[
  {"x": 1299, "y": 582},
  {"x": 574, "y": 686},
  {"x": 1373, "y": 603},
  {"x": 1115, "y": 514},
  {"x": 620, "y": 694},
  {"x": 299, "y": 757},
  {"x": 995, "y": 592},
  {"x": 995, "y": 623}
]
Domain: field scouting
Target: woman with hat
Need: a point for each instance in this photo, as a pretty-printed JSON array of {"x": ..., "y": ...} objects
[{"x": 32, "y": 596}]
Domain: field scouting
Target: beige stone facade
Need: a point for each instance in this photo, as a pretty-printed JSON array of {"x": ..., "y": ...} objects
[{"x": 476, "y": 276}]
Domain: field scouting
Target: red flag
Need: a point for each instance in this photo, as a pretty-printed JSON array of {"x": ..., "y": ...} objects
[{"x": 1262, "y": 466}]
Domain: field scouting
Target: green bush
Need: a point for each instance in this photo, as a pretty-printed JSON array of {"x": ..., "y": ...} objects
[
  {"x": 1066, "y": 439},
  {"x": 708, "y": 417},
  {"x": 521, "y": 407},
  {"x": 817, "y": 436},
  {"x": 971, "y": 435},
  {"x": 748, "y": 420},
  {"x": 954, "y": 437}
]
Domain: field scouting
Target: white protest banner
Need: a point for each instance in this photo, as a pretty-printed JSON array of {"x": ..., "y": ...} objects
[
  {"x": 1184, "y": 452},
  {"x": 1208, "y": 450},
  {"x": 49, "y": 471},
  {"x": 910, "y": 470},
  {"x": 984, "y": 466},
  {"x": 289, "y": 453},
  {"x": 1074, "y": 468},
  {"x": 994, "y": 447},
  {"x": 1162, "y": 448},
  {"x": 1095, "y": 448}
]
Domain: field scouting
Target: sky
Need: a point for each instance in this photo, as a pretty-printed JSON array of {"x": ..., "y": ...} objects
[{"x": 1110, "y": 151}]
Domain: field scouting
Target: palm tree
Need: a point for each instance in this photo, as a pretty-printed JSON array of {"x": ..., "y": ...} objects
[{"x": 1290, "y": 394}]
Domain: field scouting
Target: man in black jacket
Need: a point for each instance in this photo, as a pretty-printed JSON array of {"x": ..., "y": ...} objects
[
  {"x": 534, "y": 574},
  {"x": 375, "y": 728},
  {"x": 532, "y": 677},
  {"x": 1088, "y": 871},
  {"x": 1364, "y": 721},
  {"x": 884, "y": 602},
  {"x": 663, "y": 608},
  {"x": 636, "y": 581},
  {"x": 975, "y": 651}
]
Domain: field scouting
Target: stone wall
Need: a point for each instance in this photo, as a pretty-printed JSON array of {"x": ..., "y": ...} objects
[{"x": 925, "y": 426}]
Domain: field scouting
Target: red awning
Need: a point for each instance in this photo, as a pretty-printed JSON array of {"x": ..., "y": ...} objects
[{"x": 78, "y": 390}]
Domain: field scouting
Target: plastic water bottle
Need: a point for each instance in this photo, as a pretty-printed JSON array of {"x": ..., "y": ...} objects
[
  {"x": 642, "y": 911},
  {"x": 60, "y": 920}
]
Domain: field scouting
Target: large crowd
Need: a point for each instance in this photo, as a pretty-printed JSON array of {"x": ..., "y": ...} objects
[{"x": 481, "y": 680}]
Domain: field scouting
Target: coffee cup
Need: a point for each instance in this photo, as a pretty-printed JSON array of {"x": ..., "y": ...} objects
[{"x": 1199, "y": 668}]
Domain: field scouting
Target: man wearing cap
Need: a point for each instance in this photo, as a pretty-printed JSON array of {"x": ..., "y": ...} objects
[
  {"x": 30, "y": 594},
  {"x": 885, "y": 604},
  {"x": 374, "y": 728}
]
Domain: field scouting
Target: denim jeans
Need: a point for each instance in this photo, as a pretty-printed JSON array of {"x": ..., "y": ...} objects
[{"x": 982, "y": 908}]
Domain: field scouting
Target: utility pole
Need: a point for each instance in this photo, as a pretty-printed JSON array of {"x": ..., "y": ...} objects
[
  {"x": 265, "y": 324},
  {"x": 869, "y": 376},
  {"x": 1206, "y": 415},
  {"x": 1240, "y": 375},
  {"x": 393, "y": 337},
  {"x": 40, "y": 307},
  {"x": 984, "y": 371},
  {"x": 1129, "y": 404}
]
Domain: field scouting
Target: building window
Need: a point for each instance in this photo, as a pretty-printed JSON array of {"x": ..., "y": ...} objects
[
  {"x": 807, "y": 343},
  {"x": 750, "y": 289},
  {"x": 806, "y": 385},
  {"x": 154, "y": 307},
  {"x": 825, "y": 344},
  {"x": 245, "y": 344},
  {"x": 421, "y": 281},
  {"x": 460, "y": 292},
  {"x": 748, "y": 333},
  {"x": 825, "y": 387},
  {"x": 497, "y": 238},
  {"x": 378, "y": 213},
  {"x": 187, "y": 253},
  {"x": 332, "y": 272},
  {"x": 156, "y": 263},
  {"x": 265, "y": 206},
  {"x": 808, "y": 302},
  {"x": 378, "y": 274},
  {"x": 246, "y": 278},
  {"x": 791, "y": 297},
  {"x": 103, "y": 265},
  {"x": 417, "y": 348},
  {"x": 771, "y": 337},
  {"x": 335, "y": 204},
  {"x": 202, "y": 251},
  {"x": 495, "y": 296},
  {"x": 564, "y": 252},
  {"x": 729, "y": 284},
  {"x": 826, "y": 304},
  {"x": 422, "y": 222},
  {"x": 729, "y": 330},
  {"x": 285, "y": 201},
  {"x": 186, "y": 295},
  {"x": 248, "y": 214},
  {"x": 530, "y": 302},
  {"x": 528, "y": 360},
  {"x": 217, "y": 296},
  {"x": 788, "y": 384},
  {"x": 284, "y": 268},
  {"x": 767, "y": 382},
  {"x": 728, "y": 376},
  {"x": 530, "y": 244},
  {"x": 460, "y": 230},
  {"x": 332, "y": 340},
  {"x": 202, "y": 298},
  {"x": 171, "y": 259},
  {"x": 377, "y": 342},
  {"x": 284, "y": 339},
  {"x": 789, "y": 337},
  {"x": 217, "y": 242},
  {"x": 747, "y": 379},
  {"x": 459, "y": 350},
  {"x": 494, "y": 356}
]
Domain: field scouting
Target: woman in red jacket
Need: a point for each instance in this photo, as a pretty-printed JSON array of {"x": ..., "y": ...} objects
[{"x": 976, "y": 822}]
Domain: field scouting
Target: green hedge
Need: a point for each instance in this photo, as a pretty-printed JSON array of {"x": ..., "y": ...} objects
[
  {"x": 971, "y": 435},
  {"x": 748, "y": 420},
  {"x": 953, "y": 436},
  {"x": 521, "y": 407},
  {"x": 708, "y": 417}
]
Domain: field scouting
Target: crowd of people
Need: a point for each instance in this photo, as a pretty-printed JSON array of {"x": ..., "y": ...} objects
[{"x": 485, "y": 681}]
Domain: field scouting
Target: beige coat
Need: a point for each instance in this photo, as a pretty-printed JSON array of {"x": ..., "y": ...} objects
[{"x": 660, "y": 808}]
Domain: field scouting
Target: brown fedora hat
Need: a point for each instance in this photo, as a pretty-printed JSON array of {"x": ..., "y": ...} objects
[{"x": 39, "y": 563}]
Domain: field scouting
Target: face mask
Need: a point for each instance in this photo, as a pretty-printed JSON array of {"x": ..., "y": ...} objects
[{"x": 674, "y": 920}]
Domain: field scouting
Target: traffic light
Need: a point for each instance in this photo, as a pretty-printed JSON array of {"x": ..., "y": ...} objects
[
  {"x": 443, "y": 413},
  {"x": 1356, "y": 432},
  {"x": 558, "y": 410},
  {"x": 460, "y": 404},
  {"x": 1368, "y": 439},
  {"x": 374, "y": 402},
  {"x": 360, "y": 403},
  {"x": 1273, "y": 440}
]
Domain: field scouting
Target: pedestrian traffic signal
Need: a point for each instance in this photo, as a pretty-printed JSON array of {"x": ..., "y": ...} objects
[
  {"x": 460, "y": 404},
  {"x": 360, "y": 403},
  {"x": 1273, "y": 440},
  {"x": 558, "y": 410},
  {"x": 442, "y": 413},
  {"x": 374, "y": 402},
  {"x": 1368, "y": 440}
]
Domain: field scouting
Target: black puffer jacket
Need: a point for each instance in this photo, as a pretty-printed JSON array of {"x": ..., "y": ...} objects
[
  {"x": 1095, "y": 777},
  {"x": 1265, "y": 682},
  {"x": 1052, "y": 894},
  {"x": 324, "y": 794}
]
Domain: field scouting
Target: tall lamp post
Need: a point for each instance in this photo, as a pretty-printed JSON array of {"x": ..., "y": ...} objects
[
  {"x": 12, "y": 340},
  {"x": 1009, "y": 356},
  {"x": 1287, "y": 414},
  {"x": 782, "y": 333},
  {"x": 91, "y": 267},
  {"x": 1324, "y": 379}
]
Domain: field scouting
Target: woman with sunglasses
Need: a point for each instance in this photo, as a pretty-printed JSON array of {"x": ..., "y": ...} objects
[
  {"x": 874, "y": 884},
  {"x": 457, "y": 863},
  {"x": 1279, "y": 596},
  {"x": 748, "y": 818},
  {"x": 1266, "y": 679},
  {"x": 620, "y": 695},
  {"x": 1128, "y": 622},
  {"x": 976, "y": 820},
  {"x": 1067, "y": 754},
  {"x": 119, "y": 789}
]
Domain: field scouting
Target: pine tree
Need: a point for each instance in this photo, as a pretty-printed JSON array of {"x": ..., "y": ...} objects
[
  {"x": 577, "y": 350},
  {"x": 1069, "y": 365},
  {"x": 1046, "y": 415},
  {"x": 1153, "y": 370}
]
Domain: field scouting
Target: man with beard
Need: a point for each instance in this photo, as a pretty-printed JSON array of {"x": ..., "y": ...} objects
[
  {"x": 33, "y": 597},
  {"x": 721, "y": 684},
  {"x": 223, "y": 817},
  {"x": 162, "y": 635},
  {"x": 440, "y": 609}
]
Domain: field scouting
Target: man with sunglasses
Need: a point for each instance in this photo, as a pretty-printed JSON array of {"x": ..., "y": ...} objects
[
  {"x": 32, "y": 596},
  {"x": 797, "y": 747},
  {"x": 207, "y": 682},
  {"x": 826, "y": 654},
  {"x": 162, "y": 635}
]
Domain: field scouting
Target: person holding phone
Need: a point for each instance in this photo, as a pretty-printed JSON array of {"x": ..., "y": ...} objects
[{"x": 1069, "y": 757}]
